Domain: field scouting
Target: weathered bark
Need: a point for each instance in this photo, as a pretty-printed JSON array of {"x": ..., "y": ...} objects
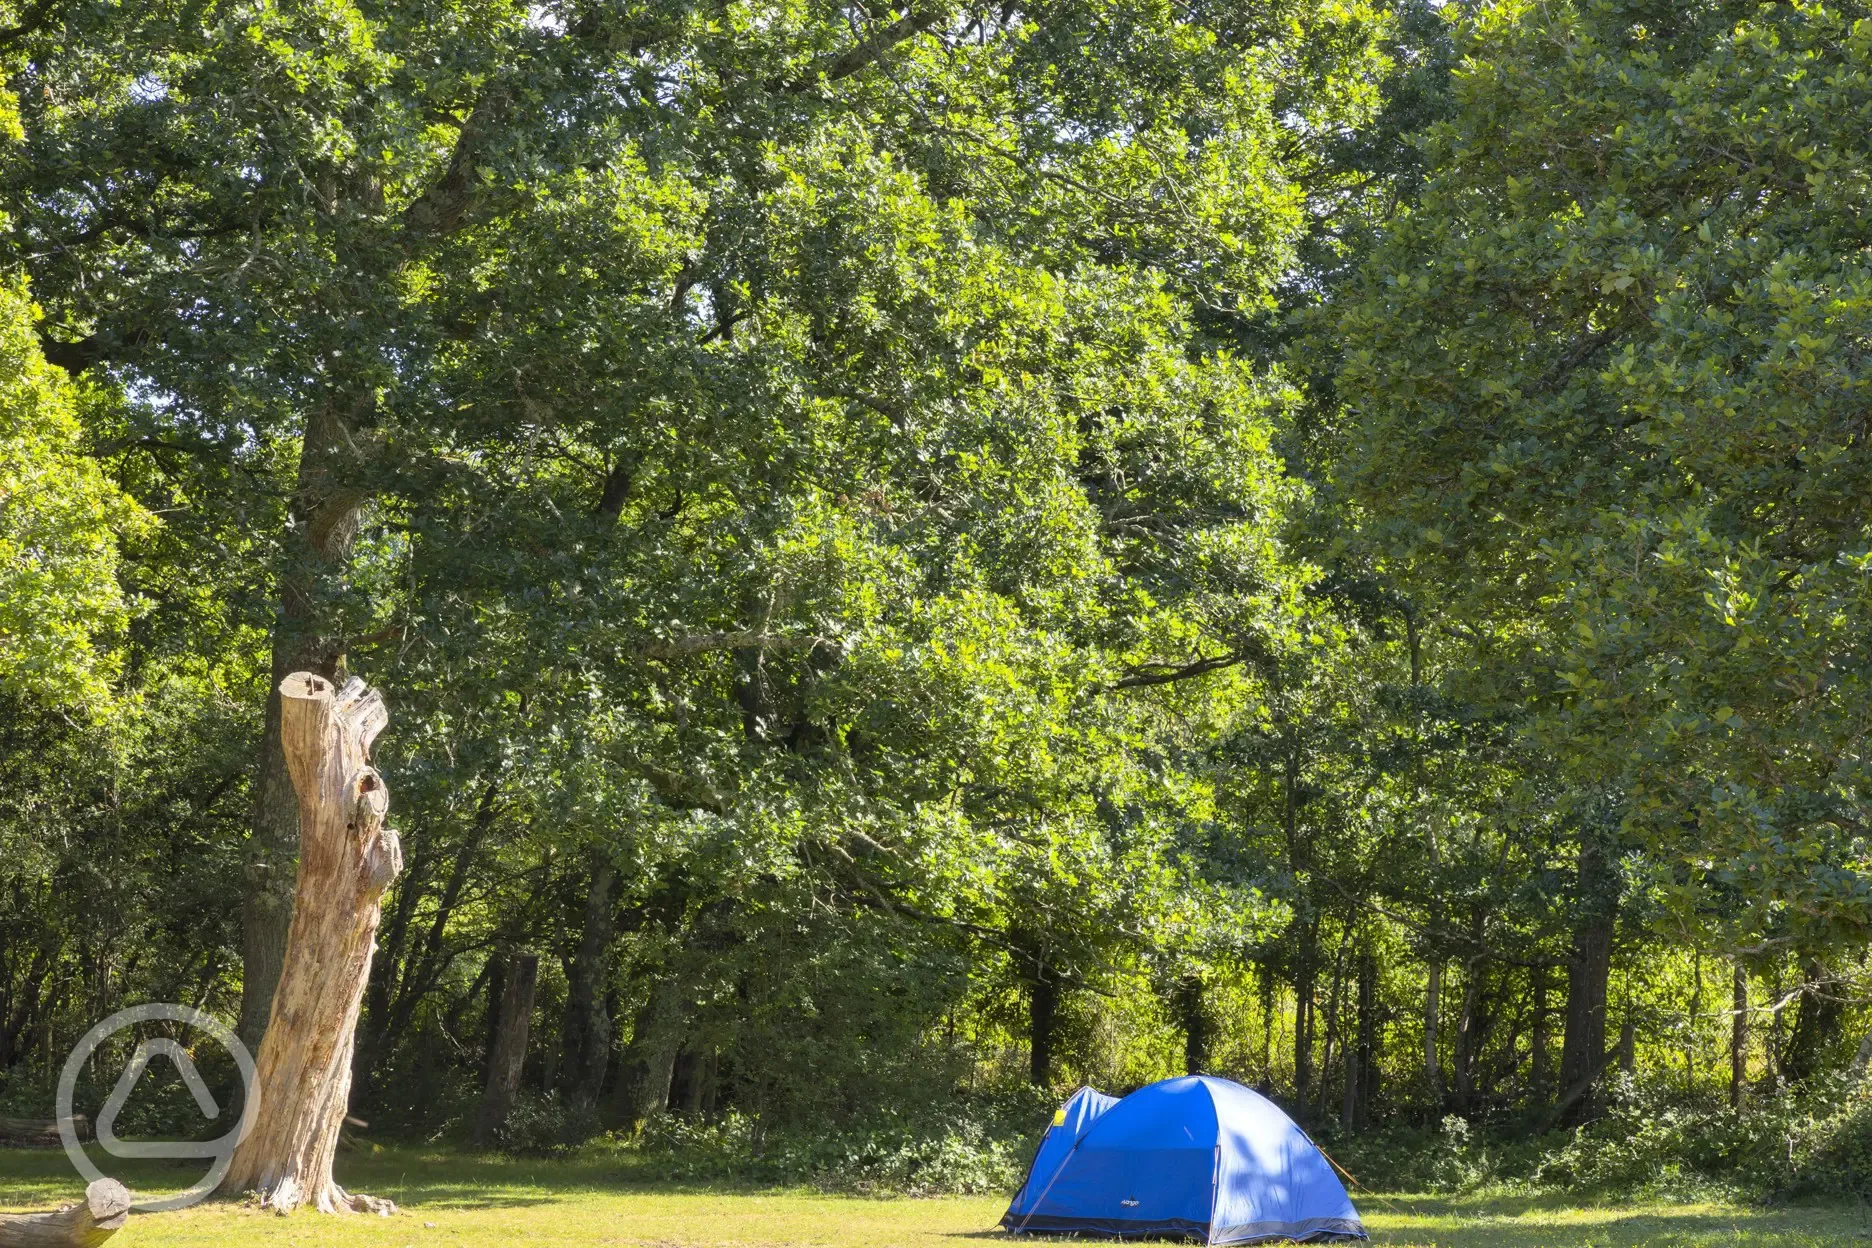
[
  {"x": 1589, "y": 970},
  {"x": 650, "y": 1060},
  {"x": 324, "y": 522},
  {"x": 1738, "y": 1037},
  {"x": 1193, "y": 1013},
  {"x": 100, "y": 1215},
  {"x": 347, "y": 857},
  {"x": 587, "y": 1026},
  {"x": 507, "y": 1056}
]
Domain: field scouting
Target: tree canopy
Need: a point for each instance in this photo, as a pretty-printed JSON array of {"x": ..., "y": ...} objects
[{"x": 915, "y": 551}]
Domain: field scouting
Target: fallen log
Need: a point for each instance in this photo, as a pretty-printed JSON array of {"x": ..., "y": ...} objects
[
  {"x": 93, "y": 1220},
  {"x": 38, "y": 1132}
]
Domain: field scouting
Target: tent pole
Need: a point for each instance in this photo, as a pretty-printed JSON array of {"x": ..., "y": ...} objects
[{"x": 1021, "y": 1229}]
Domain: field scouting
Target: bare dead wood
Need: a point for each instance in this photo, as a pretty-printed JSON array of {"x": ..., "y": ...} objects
[
  {"x": 347, "y": 857},
  {"x": 100, "y": 1215}
]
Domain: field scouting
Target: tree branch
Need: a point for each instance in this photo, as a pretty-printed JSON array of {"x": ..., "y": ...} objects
[
  {"x": 442, "y": 208},
  {"x": 917, "y": 19}
]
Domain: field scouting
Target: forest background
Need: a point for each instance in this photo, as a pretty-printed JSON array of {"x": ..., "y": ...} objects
[{"x": 922, "y": 556}]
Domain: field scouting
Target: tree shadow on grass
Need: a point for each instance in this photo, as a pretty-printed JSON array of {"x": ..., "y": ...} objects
[{"x": 1557, "y": 1222}]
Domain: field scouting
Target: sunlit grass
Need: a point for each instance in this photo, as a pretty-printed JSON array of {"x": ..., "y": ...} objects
[{"x": 452, "y": 1201}]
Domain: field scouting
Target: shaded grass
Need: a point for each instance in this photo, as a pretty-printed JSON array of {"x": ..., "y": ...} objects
[{"x": 452, "y": 1200}]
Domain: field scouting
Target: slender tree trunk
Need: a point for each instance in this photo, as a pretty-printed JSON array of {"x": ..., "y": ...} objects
[
  {"x": 1193, "y": 1013},
  {"x": 1466, "y": 1038},
  {"x": 347, "y": 857},
  {"x": 1042, "y": 1009},
  {"x": 587, "y": 1027},
  {"x": 1358, "y": 1046},
  {"x": 324, "y": 523},
  {"x": 496, "y": 989},
  {"x": 1303, "y": 1021},
  {"x": 1367, "y": 1039},
  {"x": 1589, "y": 970},
  {"x": 1540, "y": 1038},
  {"x": 507, "y": 1057},
  {"x": 1432, "y": 1011}
]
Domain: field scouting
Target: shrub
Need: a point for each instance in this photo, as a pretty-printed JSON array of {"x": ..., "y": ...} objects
[{"x": 545, "y": 1126}]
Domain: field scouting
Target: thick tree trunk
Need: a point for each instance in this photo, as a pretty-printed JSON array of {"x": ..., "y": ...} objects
[
  {"x": 692, "y": 1083},
  {"x": 325, "y": 518},
  {"x": 587, "y": 1027},
  {"x": 1589, "y": 970},
  {"x": 507, "y": 1054},
  {"x": 100, "y": 1215},
  {"x": 347, "y": 857},
  {"x": 1816, "y": 1027},
  {"x": 1193, "y": 1013},
  {"x": 650, "y": 1060}
]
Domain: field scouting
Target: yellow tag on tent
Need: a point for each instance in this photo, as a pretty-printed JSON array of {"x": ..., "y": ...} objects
[{"x": 1059, "y": 1116}]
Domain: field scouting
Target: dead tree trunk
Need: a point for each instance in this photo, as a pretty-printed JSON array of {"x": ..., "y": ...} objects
[
  {"x": 324, "y": 522},
  {"x": 100, "y": 1215},
  {"x": 507, "y": 1056},
  {"x": 346, "y": 858}
]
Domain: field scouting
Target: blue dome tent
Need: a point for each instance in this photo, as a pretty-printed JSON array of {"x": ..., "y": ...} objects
[{"x": 1198, "y": 1156}]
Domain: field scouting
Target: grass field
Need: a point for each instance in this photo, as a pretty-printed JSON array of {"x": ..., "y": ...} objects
[{"x": 450, "y": 1201}]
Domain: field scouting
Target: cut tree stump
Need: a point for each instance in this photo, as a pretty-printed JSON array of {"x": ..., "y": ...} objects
[
  {"x": 93, "y": 1220},
  {"x": 346, "y": 859}
]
